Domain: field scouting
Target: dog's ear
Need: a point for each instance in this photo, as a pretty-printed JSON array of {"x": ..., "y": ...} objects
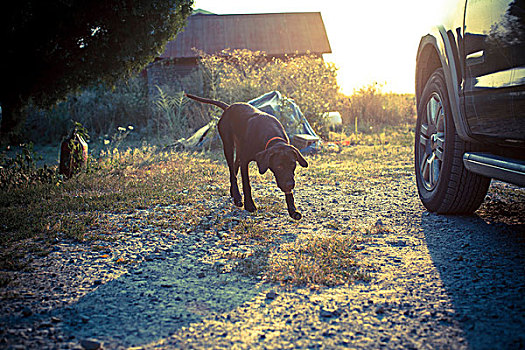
[
  {"x": 300, "y": 159},
  {"x": 263, "y": 161}
]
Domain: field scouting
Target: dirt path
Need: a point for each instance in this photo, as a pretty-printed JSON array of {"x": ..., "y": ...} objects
[{"x": 433, "y": 281}]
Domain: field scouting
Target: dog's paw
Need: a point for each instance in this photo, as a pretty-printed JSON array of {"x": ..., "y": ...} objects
[
  {"x": 237, "y": 202},
  {"x": 250, "y": 207},
  {"x": 296, "y": 215}
]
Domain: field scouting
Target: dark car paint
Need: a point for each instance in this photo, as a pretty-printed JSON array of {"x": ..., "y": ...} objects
[
  {"x": 482, "y": 51},
  {"x": 494, "y": 56}
]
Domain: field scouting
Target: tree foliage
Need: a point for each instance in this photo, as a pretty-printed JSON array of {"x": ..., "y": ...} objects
[{"x": 53, "y": 47}]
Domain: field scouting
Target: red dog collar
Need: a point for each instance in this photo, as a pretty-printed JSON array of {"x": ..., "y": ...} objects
[{"x": 273, "y": 138}]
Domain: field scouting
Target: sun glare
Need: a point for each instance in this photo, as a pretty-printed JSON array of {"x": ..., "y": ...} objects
[{"x": 371, "y": 41}]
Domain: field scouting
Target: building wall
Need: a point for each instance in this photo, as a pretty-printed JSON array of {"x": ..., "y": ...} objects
[{"x": 168, "y": 73}]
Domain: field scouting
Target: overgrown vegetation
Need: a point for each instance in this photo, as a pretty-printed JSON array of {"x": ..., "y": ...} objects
[
  {"x": 241, "y": 75},
  {"x": 370, "y": 109},
  {"x": 161, "y": 113},
  {"x": 100, "y": 108}
]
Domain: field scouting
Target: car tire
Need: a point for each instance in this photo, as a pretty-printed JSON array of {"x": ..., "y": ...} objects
[{"x": 444, "y": 184}]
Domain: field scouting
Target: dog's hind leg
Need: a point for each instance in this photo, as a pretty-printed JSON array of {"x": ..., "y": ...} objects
[
  {"x": 228, "y": 147},
  {"x": 246, "y": 188},
  {"x": 237, "y": 163}
]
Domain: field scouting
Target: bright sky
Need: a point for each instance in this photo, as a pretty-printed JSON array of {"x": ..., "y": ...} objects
[{"x": 371, "y": 40}]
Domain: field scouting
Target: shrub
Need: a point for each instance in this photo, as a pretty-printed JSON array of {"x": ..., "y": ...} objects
[
  {"x": 99, "y": 108},
  {"x": 20, "y": 170},
  {"x": 370, "y": 107},
  {"x": 230, "y": 76},
  {"x": 241, "y": 75}
]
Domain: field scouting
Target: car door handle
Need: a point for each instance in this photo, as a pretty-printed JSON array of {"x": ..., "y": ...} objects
[{"x": 474, "y": 58}]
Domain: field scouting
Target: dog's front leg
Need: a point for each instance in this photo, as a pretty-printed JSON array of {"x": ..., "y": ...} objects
[
  {"x": 246, "y": 188},
  {"x": 294, "y": 214}
]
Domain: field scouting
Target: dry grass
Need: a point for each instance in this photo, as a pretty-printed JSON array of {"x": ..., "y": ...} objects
[
  {"x": 118, "y": 182},
  {"x": 33, "y": 216},
  {"x": 330, "y": 259}
]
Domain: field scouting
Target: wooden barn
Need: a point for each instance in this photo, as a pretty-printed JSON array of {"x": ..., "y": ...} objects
[{"x": 277, "y": 34}]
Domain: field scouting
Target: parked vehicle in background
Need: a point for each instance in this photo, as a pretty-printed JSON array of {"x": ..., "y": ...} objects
[{"x": 470, "y": 92}]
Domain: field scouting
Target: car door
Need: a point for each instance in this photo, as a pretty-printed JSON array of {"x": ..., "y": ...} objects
[{"x": 494, "y": 56}]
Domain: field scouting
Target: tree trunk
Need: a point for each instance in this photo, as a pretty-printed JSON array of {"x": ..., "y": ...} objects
[{"x": 11, "y": 122}]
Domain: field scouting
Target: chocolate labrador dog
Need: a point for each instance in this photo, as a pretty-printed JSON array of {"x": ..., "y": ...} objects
[{"x": 256, "y": 136}]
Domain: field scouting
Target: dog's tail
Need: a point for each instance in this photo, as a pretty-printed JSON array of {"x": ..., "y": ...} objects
[{"x": 205, "y": 100}]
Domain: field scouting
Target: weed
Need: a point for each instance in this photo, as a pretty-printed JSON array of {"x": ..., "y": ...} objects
[
  {"x": 170, "y": 115},
  {"x": 20, "y": 170},
  {"x": 317, "y": 259},
  {"x": 255, "y": 263},
  {"x": 249, "y": 229}
]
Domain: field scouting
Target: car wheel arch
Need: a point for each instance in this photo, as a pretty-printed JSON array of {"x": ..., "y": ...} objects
[
  {"x": 436, "y": 51},
  {"x": 426, "y": 63}
]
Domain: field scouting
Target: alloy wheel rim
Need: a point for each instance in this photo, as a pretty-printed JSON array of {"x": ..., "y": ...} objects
[{"x": 432, "y": 142}]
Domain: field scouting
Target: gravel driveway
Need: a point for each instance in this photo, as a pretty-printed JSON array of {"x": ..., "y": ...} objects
[{"x": 437, "y": 282}]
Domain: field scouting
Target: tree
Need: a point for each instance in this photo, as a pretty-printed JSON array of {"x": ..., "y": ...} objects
[{"x": 53, "y": 47}]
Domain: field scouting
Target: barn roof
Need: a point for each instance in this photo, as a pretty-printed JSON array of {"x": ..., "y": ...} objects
[{"x": 273, "y": 33}]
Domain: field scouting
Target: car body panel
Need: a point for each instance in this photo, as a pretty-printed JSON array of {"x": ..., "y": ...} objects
[
  {"x": 484, "y": 71},
  {"x": 494, "y": 55},
  {"x": 481, "y": 48},
  {"x": 439, "y": 42}
]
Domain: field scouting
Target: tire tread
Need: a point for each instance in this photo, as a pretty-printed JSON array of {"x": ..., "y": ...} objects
[{"x": 464, "y": 191}]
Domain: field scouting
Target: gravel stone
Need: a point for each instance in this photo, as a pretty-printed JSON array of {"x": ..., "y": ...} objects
[
  {"x": 440, "y": 282},
  {"x": 90, "y": 344}
]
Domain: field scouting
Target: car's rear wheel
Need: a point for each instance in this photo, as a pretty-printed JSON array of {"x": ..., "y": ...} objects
[{"x": 443, "y": 183}]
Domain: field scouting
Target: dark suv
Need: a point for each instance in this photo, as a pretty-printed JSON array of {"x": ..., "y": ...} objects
[{"x": 470, "y": 91}]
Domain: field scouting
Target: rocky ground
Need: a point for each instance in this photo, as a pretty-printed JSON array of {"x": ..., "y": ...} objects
[{"x": 437, "y": 282}]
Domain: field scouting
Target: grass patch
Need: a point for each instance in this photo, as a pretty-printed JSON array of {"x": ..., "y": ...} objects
[
  {"x": 330, "y": 260},
  {"x": 311, "y": 259},
  {"x": 118, "y": 182},
  {"x": 361, "y": 162}
]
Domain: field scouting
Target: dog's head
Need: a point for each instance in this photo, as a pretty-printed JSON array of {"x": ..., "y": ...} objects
[{"x": 281, "y": 160}]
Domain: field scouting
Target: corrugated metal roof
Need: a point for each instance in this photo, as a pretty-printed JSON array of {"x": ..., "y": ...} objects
[{"x": 273, "y": 33}]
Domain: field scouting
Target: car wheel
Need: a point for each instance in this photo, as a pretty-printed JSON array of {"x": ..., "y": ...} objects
[{"x": 443, "y": 183}]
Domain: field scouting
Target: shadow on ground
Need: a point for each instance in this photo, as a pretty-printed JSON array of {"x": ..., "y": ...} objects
[
  {"x": 481, "y": 264},
  {"x": 153, "y": 300}
]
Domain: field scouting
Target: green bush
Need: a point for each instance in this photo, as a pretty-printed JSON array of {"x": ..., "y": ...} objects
[
  {"x": 169, "y": 114},
  {"x": 101, "y": 109},
  {"x": 241, "y": 75},
  {"x": 20, "y": 170}
]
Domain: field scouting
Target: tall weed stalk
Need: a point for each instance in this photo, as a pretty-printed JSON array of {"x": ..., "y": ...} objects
[{"x": 170, "y": 114}]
